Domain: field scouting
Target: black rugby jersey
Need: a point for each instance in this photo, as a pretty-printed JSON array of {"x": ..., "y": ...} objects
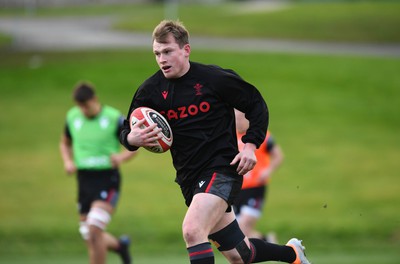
[{"x": 199, "y": 108}]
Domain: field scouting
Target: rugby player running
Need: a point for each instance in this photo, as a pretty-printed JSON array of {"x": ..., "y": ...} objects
[{"x": 198, "y": 101}]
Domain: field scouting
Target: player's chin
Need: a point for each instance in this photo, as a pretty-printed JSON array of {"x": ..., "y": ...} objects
[{"x": 169, "y": 74}]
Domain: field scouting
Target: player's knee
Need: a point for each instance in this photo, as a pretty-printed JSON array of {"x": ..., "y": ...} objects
[
  {"x": 98, "y": 218},
  {"x": 84, "y": 230},
  {"x": 191, "y": 233}
]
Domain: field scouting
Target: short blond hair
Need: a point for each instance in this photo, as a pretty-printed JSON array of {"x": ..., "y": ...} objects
[{"x": 176, "y": 28}]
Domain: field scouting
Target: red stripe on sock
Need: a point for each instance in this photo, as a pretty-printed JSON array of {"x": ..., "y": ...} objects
[{"x": 200, "y": 252}]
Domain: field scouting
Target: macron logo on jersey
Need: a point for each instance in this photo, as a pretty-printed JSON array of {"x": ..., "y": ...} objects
[{"x": 164, "y": 94}]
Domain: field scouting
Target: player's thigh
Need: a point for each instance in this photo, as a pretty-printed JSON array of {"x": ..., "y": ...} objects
[
  {"x": 204, "y": 212},
  {"x": 225, "y": 220},
  {"x": 103, "y": 205},
  {"x": 247, "y": 220}
]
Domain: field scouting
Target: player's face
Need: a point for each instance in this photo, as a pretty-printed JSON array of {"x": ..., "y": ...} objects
[
  {"x": 172, "y": 60},
  {"x": 90, "y": 108}
]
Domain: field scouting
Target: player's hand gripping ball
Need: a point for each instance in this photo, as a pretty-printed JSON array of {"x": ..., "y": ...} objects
[{"x": 151, "y": 116}]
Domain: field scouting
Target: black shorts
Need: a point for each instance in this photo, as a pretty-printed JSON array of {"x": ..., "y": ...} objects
[
  {"x": 97, "y": 185},
  {"x": 252, "y": 200},
  {"x": 222, "y": 183}
]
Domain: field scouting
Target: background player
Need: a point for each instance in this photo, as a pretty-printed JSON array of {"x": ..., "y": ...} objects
[
  {"x": 90, "y": 147},
  {"x": 250, "y": 201}
]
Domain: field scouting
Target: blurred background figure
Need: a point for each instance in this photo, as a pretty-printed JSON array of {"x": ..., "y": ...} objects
[
  {"x": 249, "y": 204},
  {"x": 90, "y": 147}
]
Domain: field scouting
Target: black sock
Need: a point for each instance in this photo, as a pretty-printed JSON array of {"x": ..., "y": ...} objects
[
  {"x": 201, "y": 254},
  {"x": 123, "y": 250},
  {"x": 267, "y": 251}
]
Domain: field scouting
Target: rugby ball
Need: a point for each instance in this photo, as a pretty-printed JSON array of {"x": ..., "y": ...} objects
[{"x": 151, "y": 116}]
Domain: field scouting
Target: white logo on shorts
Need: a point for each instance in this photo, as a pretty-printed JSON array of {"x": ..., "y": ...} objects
[{"x": 201, "y": 183}]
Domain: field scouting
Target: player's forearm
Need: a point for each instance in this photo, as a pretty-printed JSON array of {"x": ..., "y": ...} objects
[
  {"x": 126, "y": 155},
  {"x": 66, "y": 153},
  {"x": 276, "y": 158}
]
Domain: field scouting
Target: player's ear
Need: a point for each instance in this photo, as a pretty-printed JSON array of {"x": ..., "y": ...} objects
[{"x": 186, "y": 48}]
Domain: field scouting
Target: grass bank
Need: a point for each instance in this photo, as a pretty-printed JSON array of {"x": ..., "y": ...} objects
[{"x": 337, "y": 21}]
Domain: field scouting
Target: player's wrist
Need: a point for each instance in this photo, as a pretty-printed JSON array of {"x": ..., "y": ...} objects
[{"x": 250, "y": 146}]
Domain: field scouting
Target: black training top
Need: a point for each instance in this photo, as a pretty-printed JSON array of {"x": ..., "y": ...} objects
[{"x": 199, "y": 108}]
